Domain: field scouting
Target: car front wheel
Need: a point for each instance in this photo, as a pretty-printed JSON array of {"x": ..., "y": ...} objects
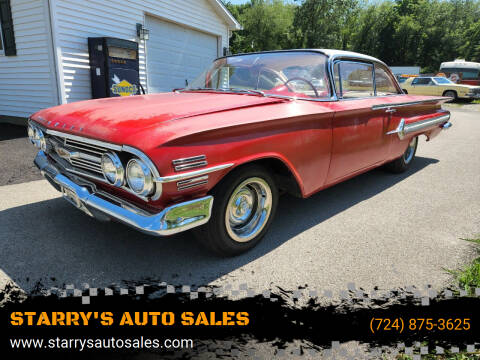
[
  {"x": 403, "y": 162},
  {"x": 243, "y": 209}
]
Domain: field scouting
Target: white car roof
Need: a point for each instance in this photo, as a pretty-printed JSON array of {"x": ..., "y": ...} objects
[{"x": 335, "y": 53}]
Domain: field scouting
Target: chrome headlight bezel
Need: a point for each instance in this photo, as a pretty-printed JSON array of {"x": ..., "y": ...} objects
[
  {"x": 36, "y": 137},
  {"x": 117, "y": 175},
  {"x": 41, "y": 141},
  {"x": 148, "y": 186},
  {"x": 31, "y": 133}
]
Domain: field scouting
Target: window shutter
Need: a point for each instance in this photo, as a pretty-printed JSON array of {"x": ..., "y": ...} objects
[{"x": 7, "y": 28}]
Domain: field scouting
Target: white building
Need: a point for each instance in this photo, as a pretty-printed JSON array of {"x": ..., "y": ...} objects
[
  {"x": 408, "y": 70},
  {"x": 44, "y": 54}
]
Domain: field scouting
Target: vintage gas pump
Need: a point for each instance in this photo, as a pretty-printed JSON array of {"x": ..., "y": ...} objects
[{"x": 114, "y": 67}]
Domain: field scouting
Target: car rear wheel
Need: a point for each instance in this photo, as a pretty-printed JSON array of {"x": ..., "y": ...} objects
[
  {"x": 403, "y": 162},
  {"x": 243, "y": 209},
  {"x": 451, "y": 94},
  {"x": 405, "y": 91}
]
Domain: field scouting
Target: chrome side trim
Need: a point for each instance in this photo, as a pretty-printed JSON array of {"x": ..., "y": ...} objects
[
  {"x": 186, "y": 187},
  {"x": 193, "y": 182},
  {"x": 171, "y": 220},
  {"x": 191, "y": 174},
  {"x": 188, "y": 160},
  {"x": 408, "y": 103},
  {"x": 403, "y": 129},
  {"x": 189, "y": 181},
  {"x": 417, "y": 126},
  {"x": 190, "y": 163},
  {"x": 399, "y": 130}
]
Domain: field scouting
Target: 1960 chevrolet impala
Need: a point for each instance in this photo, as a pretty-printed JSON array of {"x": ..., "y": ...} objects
[{"x": 216, "y": 155}]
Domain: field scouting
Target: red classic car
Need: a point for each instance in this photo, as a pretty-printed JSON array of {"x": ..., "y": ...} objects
[{"x": 216, "y": 155}]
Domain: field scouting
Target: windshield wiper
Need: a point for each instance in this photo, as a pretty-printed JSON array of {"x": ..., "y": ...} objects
[
  {"x": 226, "y": 90},
  {"x": 196, "y": 89},
  {"x": 246, "y": 91}
]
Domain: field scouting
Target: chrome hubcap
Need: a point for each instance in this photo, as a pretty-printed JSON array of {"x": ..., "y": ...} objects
[
  {"x": 248, "y": 209},
  {"x": 410, "y": 150}
]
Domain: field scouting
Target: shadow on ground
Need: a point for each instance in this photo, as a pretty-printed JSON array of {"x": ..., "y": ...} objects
[
  {"x": 16, "y": 156},
  {"x": 10, "y": 131},
  {"x": 57, "y": 244}
]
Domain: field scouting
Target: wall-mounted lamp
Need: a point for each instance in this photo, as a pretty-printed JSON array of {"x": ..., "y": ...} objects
[{"x": 142, "y": 33}]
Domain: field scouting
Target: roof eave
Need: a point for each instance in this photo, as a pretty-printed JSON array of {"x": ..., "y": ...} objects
[{"x": 232, "y": 23}]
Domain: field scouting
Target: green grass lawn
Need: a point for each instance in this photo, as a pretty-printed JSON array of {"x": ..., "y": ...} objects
[{"x": 468, "y": 278}]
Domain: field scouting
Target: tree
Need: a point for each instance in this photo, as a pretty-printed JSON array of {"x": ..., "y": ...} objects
[
  {"x": 400, "y": 32},
  {"x": 325, "y": 23},
  {"x": 266, "y": 25}
]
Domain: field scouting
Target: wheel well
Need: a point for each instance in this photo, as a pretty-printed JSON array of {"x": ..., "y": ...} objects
[
  {"x": 450, "y": 91},
  {"x": 284, "y": 178}
]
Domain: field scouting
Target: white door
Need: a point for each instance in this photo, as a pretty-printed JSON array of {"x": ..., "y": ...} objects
[{"x": 175, "y": 54}]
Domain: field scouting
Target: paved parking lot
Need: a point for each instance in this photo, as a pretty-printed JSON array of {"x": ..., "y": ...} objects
[{"x": 377, "y": 229}]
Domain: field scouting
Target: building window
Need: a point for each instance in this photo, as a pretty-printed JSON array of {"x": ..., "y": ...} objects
[
  {"x": 1, "y": 39},
  {"x": 8, "y": 46}
]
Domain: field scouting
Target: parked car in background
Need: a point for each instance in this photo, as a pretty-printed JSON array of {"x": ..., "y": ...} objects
[
  {"x": 216, "y": 155},
  {"x": 403, "y": 77},
  {"x": 405, "y": 70},
  {"x": 461, "y": 71},
  {"x": 440, "y": 86}
]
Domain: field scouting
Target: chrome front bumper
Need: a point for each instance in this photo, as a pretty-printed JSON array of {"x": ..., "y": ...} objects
[
  {"x": 171, "y": 220},
  {"x": 472, "y": 96}
]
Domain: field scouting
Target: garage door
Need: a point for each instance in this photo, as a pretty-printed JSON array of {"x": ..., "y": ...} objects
[{"x": 175, "y": 54}]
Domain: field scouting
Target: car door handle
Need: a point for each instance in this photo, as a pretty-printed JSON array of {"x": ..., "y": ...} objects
[{"x": 391, "y": 111}]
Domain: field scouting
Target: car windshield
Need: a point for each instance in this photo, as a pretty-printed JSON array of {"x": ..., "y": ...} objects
[
  {"x": 296, "y": 74},
  {"x": 442, "y": 80}
]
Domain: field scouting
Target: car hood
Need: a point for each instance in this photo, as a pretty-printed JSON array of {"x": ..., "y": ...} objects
[{"x": 117, "y": 120}]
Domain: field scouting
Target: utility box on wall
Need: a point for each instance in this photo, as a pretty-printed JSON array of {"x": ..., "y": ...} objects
[{"x": 114, "y": 67}]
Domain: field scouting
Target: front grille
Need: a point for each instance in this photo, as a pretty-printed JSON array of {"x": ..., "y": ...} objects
[{"x": 83, "y": 157}]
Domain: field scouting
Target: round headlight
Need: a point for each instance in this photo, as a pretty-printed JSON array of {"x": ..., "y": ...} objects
[
  {"x": 112, "y": 169},
  {"x": 139, "y": 177}
]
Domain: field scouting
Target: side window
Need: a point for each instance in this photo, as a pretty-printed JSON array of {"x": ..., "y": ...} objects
[
  {"x": 421, "y": 81},
  {"x": 469, "y": 74},
  {"x": 336, "y": 78},
  {"x": 353, "y": 80},
  {"x": 384, "y": 83}
]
